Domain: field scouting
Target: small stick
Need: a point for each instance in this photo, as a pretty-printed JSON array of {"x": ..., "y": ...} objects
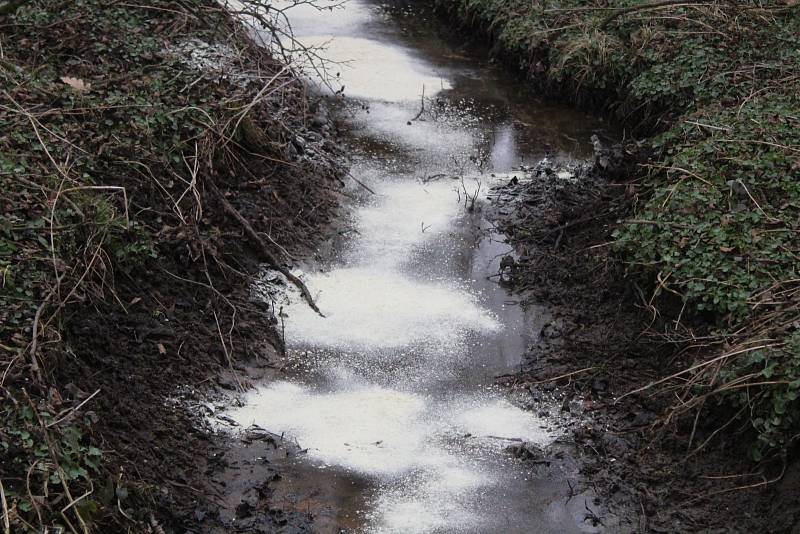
[
  {"x": 563, "y": 376},
  {"x": 35, "y": 336},
  {"x": 362, "y": 184},
  {"x": 227, "y": 352},
  {"x": 73, "y": 410},
  {"x": 422, "y": 108}
]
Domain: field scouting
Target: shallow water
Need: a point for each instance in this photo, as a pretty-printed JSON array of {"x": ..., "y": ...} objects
[{"x": 391, "y": 394}]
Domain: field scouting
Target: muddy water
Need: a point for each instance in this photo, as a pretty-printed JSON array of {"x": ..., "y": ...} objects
[{"x": 391, "y": 394}]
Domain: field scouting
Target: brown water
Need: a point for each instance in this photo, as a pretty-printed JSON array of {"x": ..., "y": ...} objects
[{"x": 392, "y": 393}]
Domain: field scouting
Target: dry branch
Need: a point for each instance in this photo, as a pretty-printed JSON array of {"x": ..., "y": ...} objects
[
  {"x": 262, "y": 247},
  {"x": 643, "y": 7}
]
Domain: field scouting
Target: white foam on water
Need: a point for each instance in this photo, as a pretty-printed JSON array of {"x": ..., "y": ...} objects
[
  {"x": 441, "y": 501},
  {"x": 368, "y": 429},
  {"x": 367, "y": 309},
  {"x": 438, "y": 140},
  {"x": 367, "y": 68},
  {"x": 498, "y": 418},
  {"x": 417, "y": 447},
  {"x": 307, "y": 18},
  {"x": 405, "y": 215},
  {"x": 371, "y": 303},
  {"x": 373, "y": 70}
]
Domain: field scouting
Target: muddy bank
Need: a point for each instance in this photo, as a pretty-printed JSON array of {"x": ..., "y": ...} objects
[
  {"x": 710, "y": 449},
  {"x": 596, "y": 350},
  {"x": 153, "y": 159}
]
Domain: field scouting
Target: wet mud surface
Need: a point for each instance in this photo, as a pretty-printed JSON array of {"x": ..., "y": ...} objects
[{"x": 600, "y": 347}]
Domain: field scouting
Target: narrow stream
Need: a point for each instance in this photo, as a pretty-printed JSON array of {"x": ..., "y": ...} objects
[{"x": 391, "y": 394}]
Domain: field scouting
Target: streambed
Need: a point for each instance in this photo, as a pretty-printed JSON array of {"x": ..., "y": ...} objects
[{"x": 391, "y": 395}]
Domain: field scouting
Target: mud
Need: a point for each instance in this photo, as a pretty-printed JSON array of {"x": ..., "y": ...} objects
[
  {"x": 178, "y": 349},
  {"x": 598, "y": 347}
]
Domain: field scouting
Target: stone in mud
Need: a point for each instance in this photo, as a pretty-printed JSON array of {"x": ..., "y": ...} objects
[
  {"x": 244, "y": 510},
  {"x": 525, "y": 451},
  {"x": 614, "y": 445},
  {"x": 551, "y": 330},
  {"x": 227, "y": 382},
  {"x": 607, "y": 159},
  {"x": 643, "y": 418},
  {"x": 599, "y": 385},
  {"x": 320, "y": 118},
  {"x": 299, "y": 144},
  {"x": 291, "y": 151}
]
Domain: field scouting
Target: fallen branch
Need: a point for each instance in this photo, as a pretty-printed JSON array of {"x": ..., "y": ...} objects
[
  {"x": 262, "y": 247},
  {"x": 35, "y": 338}
]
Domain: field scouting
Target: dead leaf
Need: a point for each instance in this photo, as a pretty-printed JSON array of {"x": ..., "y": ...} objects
[
  {"x": 161, "y": 349},
  {"x": 77, "y": 84},
  {"x": 725, "y": 249}
]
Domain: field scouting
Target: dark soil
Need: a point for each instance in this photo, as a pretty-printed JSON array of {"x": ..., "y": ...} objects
[
  {"x": 139, "y": 353},
  {"x": 601, "y": 345},
  {"x": 178, "y": 343}
]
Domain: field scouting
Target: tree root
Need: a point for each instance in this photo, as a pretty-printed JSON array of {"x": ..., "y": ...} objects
[{"x": 262, "y": 247}]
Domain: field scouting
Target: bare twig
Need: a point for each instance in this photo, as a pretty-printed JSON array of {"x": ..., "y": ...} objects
[
  {"x": 73, "y": 410},
  {"x": 6, "y": 519},
  {"x": 35, "y": 337}
]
